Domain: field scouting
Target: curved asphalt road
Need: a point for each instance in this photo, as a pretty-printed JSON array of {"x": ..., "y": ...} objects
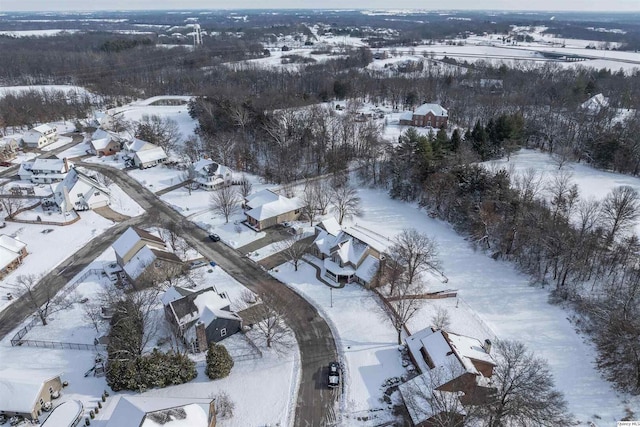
[{"x": 316, "y": 403}]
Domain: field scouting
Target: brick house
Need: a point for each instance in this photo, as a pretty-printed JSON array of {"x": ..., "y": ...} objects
[
  {"x": 426, "y": 115},
  {"x": 12, "y": 252}
]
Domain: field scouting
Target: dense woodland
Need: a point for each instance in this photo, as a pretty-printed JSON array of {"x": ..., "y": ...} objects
[{"x": 271, "y": 122}]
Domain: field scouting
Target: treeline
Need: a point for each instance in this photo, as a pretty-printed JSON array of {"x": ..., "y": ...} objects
[{"x": 24, "y": 109}]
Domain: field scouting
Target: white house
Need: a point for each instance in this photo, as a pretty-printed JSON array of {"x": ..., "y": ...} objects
[
  {"x": 211, "y": 175},
  {"x": 79, "y": 191},
  {"x": 136, "y": 145},
  {"x": 150, "y": 157},
  {"x": 349, "y": 253},
  {"x": 12, "y": 252},
  {"x": 40, "y": 136},
  {"x": 44, "y": 171}
]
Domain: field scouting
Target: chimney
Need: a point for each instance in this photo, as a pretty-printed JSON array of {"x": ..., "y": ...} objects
[
  {"x": 487, "y": 346},
  {"x": 201, "y": 337},
  {"x": 66, "y": 165}
]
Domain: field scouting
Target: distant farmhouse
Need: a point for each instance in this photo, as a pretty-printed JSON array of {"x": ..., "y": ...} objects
[
  {"x": 8, "y": 149},
  {"x": 426, "y": 115},
  {"x": 145, "y": 258},
  {"x": 210, "y": 175},
  {"x": 44, "y": 171},
  {"x": 40, "y": 136},
  {"x": 78, "y": 191},
  {"x": 12, "y": 252},
  {"x": 453, "y": 368},
  {"x": 267, "y": 208},
  {"x": 199, "y": 317},
  {"x": 349, "y": 254}
]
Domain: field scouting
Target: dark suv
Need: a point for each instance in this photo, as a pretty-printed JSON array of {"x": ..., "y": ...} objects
[
  {"x": 334, "y": 374},
  {"x": 214, "y": 237}
]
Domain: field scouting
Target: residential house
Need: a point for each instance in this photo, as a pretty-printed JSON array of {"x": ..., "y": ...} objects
[
  {"x": 44, "y": 171},
  {"x": 210, "y": 175},
  {"x": 150, "y": 158},
  {"x": 200, "y": 317},
  {"x": 104, "y": 143},
  {"x": 453, "y": 367},
  {"x": 8, "y": 149},
  {"x": 78, "y": 191},
  {"x": 24, "y": 392},
  {"x": 266, "y": 208},
  {"x": 136, "y": 145},
  {"x": 145, "y": 258},
  {"x": 139, "y": 411},
  {"x": 40, "y": 136},
  {"x": 103, "y": 119},
  {"x": 349, "y": 254},
  {"x": 426, "y": 115},
  {"x": 595, "y": 104},
  {"x": 12, "y": 252}
]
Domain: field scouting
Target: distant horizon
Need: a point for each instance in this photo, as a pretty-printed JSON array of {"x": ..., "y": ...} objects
[
  {"x": 542, "y": 6},
  {"x": 346, "y": 9}
]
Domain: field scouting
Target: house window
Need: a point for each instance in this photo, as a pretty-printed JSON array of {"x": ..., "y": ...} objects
[
  {"x": 96, "y": 193},
  {"x": 223, "y": 332},
  {"x": 50, "y": 390},
  {"x": 79, "y": 194},
  {"x": 41, "y": 402}
]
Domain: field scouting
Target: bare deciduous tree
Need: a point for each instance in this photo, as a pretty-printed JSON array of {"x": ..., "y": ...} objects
[
  {"x": 441, "y": 319},
  {"x": 293, "y": 249},
  {"x": 42, "y": 299},
  {"x": 245, "y": 187},
  {"x": 10, "y": 205},
  {"x": 92, "y": 313},
  {"x": 189, "y": 178},
  {"x": 346, "y": 202},
  {"x": 525, "y": 393},
  {"x": 270, "y": 324},
  {"x": 403, "y": 304},
  {"x": 416, "y": 253},
  {"x": 620, "y": 210},
  {"x": 163, "y": 132},
  {"x": 225, "y": 201}
]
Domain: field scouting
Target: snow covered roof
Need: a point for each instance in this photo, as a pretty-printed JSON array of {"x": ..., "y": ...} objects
[
  {"x": 42, "y": 129},
  {"x": 139, "y": 145},
  {"x": 19, "y": 389},
  {"x": 436, "y": 109},
  {"x": 279, "y": 206},
  {"x": 129, "y": 238},
  {"x": 137, "y": 411},
  {"x": 77, "y": 183},
  {"x": 260, "y": 198},
  {"x": 595, "y": 103},
  {"x": 64, "y": 414},
  {"x": 11, "y": 243},
  {"x": 151, "y": 155},
  {"x": 174, "y": 293},
  {"x": 99, "y": 144},
  {"x": 331, "y": 226},
  {"x": 407, "y": 115},
  {"x": 144, "y": 257},
  {"x": 423, "y": 402},
  {"x": 368, "y": 268},
  {"x": 50, "y": 165},
  {"x": 469, "y": 347},
  {"x": 205, "y": 305}
]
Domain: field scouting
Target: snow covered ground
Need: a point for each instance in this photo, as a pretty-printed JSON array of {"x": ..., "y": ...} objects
[
  {"x": 65, "y": 88},
  {"x": 262, "y": 388},
  {"x": 592, "y": 183},
  {"x": 48, "y": 249},
  {"x": 158, "y": 177},
  {"x": 504, "y": 300}
]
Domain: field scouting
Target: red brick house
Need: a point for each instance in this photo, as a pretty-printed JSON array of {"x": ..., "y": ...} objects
[{"x": 426, "y": 115}]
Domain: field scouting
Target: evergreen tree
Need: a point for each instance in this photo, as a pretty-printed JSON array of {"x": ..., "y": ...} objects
[
  {"x": 454, "y": 143},
  {"x": 219, "y": 362}
]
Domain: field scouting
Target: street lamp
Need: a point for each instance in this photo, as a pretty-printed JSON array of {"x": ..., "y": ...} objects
[{"x": 331, "y": 294}]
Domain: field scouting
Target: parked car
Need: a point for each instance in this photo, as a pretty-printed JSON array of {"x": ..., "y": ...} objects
[
  {"x": 6, "y": 164},
  {"x": 334, "y": 374},
  {"x": 214, "y": 237},
  {"x": 212, "y": 263}
]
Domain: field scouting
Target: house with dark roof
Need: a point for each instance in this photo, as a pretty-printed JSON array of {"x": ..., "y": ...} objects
[
  {"x": 453, "y": 368},
  {"x": 144, "y": 257},
  {"x": 426, "y": 115},
  {"x": 199, "y": 317}
]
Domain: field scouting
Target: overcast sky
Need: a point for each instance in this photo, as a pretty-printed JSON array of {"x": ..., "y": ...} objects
[{"x": 82, "y": 5}]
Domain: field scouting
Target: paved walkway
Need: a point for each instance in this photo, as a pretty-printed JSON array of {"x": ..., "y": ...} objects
[
  {"x": 173, "y": 187},
  {"x": 110, "y": 214}
]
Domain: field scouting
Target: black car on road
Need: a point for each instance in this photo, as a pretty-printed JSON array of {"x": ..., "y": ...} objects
[{"x": 334, "y": 374}]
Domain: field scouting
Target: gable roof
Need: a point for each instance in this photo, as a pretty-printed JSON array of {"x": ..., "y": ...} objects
[
  {"x": 595, "y": 103},
  {"x": 77, "y": 182},
  {"x": 11, "y": 243},
  {"x": 270, "y": 209},
  {"x": 138, "y": 411},
  {"x": 52, "y": 165},
  {"x": 145, "y": 257},
  {"x": 130, "y": 237},
  {"x": 174, "y": 293},
  {"x": 42, "y": 129},
  {"x": 19, "y": 389},
  {"x": 435, "y": 109},
  {"x": 151, "y": 155},
  {"x": 260, "y": 198},
  {"x": 424, "y": 402},
  {"x": 137, "y": 145},
  {"x": 204, "y": 305}
]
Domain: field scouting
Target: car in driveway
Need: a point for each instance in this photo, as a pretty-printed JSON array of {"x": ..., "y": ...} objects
[
  {"x": 214, "y": 237},
  {"x": 333, "y": 377}
]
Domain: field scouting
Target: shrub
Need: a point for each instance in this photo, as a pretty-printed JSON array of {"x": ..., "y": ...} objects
[{"x": 219, "y": 362}]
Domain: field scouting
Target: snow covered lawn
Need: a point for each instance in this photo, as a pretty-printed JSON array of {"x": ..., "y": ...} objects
[
  {"x": 504, "y": 299},
  {"x": 366, "y": 339},
  {"x": 48, "y": 249},
  {"x": 157, "y": 178}
]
